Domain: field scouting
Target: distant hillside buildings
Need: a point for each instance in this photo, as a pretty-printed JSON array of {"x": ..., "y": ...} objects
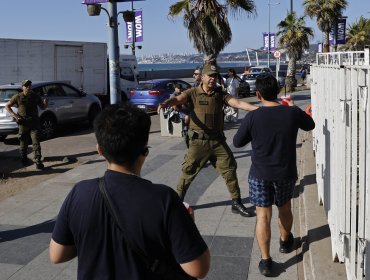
[{"x": 308, "y": 57}]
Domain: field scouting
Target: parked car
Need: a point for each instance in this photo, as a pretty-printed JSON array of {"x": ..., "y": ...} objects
[
  {"x": 250, "y": 77},
  {"x": 149, "y": 94},
  {"x": 244, "y": 89},
  {"x": 67, "y": 104}
]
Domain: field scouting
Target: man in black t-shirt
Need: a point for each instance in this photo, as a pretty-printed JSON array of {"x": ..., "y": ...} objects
[
  {"x": 272, "y": 129},
  {"x": 154, "y": 218}
]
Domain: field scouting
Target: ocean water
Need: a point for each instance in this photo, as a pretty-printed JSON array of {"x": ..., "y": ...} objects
[{"x": 169, "y": 66}]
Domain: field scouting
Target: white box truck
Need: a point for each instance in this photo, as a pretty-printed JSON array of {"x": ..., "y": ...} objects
[{"x": 82, "y": 64}]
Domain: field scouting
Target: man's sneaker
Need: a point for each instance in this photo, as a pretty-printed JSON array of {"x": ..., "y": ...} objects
[
  {"x": 265, "y": 266},
  {"x": 39, "y": 165},
  {"x": 287, "y": 246}
]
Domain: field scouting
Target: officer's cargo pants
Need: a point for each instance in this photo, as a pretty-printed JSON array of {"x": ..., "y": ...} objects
[
  {"x": 199, "y": 152},
  {"x": 26, "y": 131}
]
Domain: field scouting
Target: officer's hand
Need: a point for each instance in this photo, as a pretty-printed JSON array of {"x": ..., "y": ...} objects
[{"x": 161, "y": 106}]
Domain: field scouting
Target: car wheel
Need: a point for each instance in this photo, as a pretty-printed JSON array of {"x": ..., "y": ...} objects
[
  {"x": 48, "y": 127},
  {"x": 93, "y": 112},
  {"x": 2, "y": 137}
]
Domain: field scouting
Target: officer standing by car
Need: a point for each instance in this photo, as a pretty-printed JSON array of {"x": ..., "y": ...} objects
[
  {"x": 28, "y": 121},
  {"x": 207, "y": 139}
]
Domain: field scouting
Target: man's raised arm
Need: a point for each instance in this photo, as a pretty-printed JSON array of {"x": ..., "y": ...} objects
[{"x": 176, "y": 100}]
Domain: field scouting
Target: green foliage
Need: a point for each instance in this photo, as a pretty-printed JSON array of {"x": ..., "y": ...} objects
[
  {"x": 358, "y": 35},
  {"x": 326, "y": 13},
  {"x": 294, "y": 35},
  {"x": 207, "y": 22},
  {"x": 294, "y": 38}
]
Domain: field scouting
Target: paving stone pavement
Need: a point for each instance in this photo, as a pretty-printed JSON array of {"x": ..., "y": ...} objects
[{"x": 27, "y": 219}]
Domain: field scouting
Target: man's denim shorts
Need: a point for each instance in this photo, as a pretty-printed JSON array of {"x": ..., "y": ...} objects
[{"x": 264, "y": 193}]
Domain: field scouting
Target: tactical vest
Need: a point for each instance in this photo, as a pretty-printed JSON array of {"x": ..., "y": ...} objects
[{"x": 207, "y": 114}]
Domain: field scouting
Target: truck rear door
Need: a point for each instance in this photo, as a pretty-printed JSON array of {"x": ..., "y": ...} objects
[{"x": 69, "y": 65}]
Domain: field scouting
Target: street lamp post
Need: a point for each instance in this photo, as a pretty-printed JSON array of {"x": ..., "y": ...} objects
[
  {"x": 113, "y": 54},
  {"x": 269, "y": 37},
  {"x": 133, "y": 30},
  {"x": 113, "y": 47},
  {"x": 291, "y": 6}
]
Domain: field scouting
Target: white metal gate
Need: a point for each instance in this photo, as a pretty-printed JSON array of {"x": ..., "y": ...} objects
[{"x": 341, "y": 110}]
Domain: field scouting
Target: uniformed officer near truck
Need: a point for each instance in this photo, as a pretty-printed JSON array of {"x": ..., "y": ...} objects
[
  {"x": 28, "y": 120},
  {"x": 207, "y": 139}
]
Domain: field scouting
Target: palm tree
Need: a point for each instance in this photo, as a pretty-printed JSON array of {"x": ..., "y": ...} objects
[
  {"x": 294, "y": 37},
  {"x": 207, "y": 22},
  {"x": 358, "y": 35},
  {"x": 326, "y": 12}
]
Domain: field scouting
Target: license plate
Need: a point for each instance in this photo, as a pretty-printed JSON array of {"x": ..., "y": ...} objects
[{"x": 141, "y": 107}]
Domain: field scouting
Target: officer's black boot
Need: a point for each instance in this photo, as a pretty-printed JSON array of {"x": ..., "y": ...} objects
[{"x": 238, "y": 208}]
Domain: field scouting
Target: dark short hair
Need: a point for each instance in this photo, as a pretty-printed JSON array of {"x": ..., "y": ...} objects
[
  {"x": 268, "y": 86},
  {"x": 179, "y": 86},
  {"x": 122, "y": 132},
  {"x": 232, "y": 70}
]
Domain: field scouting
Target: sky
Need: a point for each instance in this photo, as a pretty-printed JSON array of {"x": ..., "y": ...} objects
[{"x": 68, "y": 20}]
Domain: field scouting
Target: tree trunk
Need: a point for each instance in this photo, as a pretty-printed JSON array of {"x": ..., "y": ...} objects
[
  {"x": 326, "y": 42},
  {"x": 291, "y": 81}
]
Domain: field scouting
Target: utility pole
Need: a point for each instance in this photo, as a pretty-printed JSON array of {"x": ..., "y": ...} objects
[
  {"x": 133, "y": 30},
  {"x": 269, "y": 36}
]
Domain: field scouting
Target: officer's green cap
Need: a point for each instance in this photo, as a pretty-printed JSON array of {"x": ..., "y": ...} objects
[
  {"x": 26, "y": 83},
  {"x": 209, "y": 69}
]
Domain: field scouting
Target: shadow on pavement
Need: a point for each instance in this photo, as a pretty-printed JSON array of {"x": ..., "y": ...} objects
[
  {"x": 14, "y": 168},
  {"x": 13, "y": 234},
  {"x": 221, "y": 203}
]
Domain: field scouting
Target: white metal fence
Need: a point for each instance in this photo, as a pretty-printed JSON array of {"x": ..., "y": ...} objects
[{"x": 341, "y": 109}]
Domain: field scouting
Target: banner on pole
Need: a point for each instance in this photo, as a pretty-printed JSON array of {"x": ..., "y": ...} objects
[
  {"x": 266, "y": 41},
  {"x": 339, "y": 29},
  {"x": 319, "y": 47},
  {"x": 138, "y": 27}
]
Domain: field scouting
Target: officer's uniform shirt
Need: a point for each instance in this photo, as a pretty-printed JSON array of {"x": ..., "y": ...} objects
[
  {"x": 27, "y": 105},
  {"x": 207, "y": 110}
]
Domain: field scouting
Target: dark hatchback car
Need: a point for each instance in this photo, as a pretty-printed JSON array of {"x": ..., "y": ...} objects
[
  {"x": 149, "y": 94},
  {"x": 66, "y": 105}
]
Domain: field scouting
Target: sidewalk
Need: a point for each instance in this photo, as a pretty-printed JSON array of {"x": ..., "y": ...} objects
[{"x": 27, "y": 219}]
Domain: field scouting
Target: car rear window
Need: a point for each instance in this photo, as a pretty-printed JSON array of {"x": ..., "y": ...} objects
[
  {"x": 252, "y": 76},
  {"x": 145, "y": 86},
  {"x": 7, "y": 94}
]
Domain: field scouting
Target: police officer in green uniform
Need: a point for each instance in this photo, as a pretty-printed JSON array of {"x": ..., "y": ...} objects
[
  {"x": 206, "y": 135},
  {"x": 28, "y": 120}
]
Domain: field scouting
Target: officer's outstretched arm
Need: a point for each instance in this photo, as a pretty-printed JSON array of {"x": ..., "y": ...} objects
[
  {"x": 176, "y": 100},
  {"x": 236, "y": 103}
]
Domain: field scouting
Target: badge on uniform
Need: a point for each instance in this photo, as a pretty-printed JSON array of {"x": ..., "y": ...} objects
[{"x": 203, "y": 102}]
